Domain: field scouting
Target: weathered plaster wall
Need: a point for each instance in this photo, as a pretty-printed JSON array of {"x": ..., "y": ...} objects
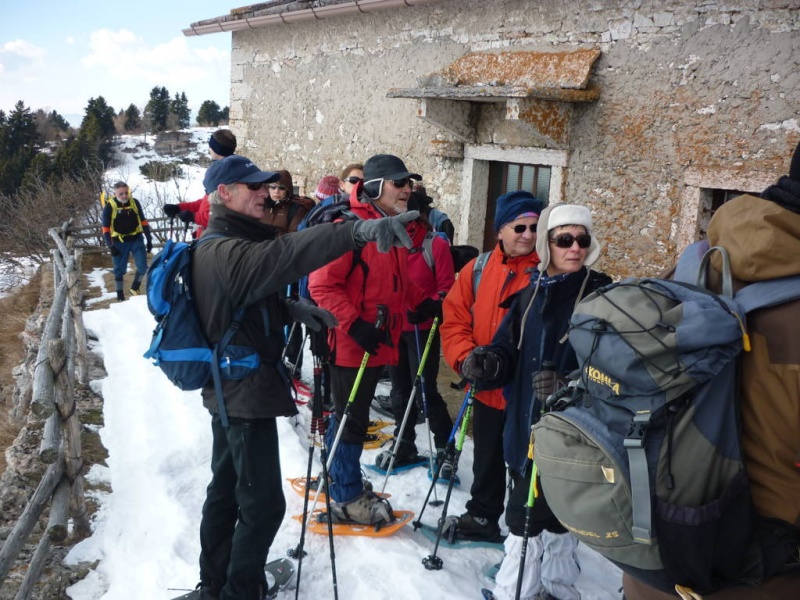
[{"x": 710, "y": 89}]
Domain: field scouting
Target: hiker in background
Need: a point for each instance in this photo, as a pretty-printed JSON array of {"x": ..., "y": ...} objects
[
  {"x": 124, "y": 230},
  {"x": 472, "y": 313},
  {"x": 222, "y": 143},
  {"x": 369, "y": 293},
  {"x": 759, "y": 235},
  {"x": 439, "y": 220},
  {"x": 284, "y": 211},
  {"x": 430, "y": 266},
  {"x": 533, "y": 339},
  {"x": 327, "y": 187},
  {"x": 351, "y": 176},
  {"x": 246, "y": 266}
]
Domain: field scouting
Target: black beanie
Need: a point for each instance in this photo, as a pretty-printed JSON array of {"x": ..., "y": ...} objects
[
  {"x": 794, "y": 169},
  {"x": 786, "y": 192}
]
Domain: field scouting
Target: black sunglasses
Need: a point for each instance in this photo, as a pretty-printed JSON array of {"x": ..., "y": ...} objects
[
  {"x": 255, "y": 186},
  {"x": 400, "y": 183},
  {"x": 565, "y": 240},
  {"x": 353, "y": 179},
  {"x": 520, "y": 229}
]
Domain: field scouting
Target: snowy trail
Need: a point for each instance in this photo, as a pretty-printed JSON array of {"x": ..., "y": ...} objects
[{"x": 159, "y": 441}]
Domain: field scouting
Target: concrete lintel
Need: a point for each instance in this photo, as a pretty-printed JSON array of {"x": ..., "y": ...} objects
[{"x": 448, "y": 115}]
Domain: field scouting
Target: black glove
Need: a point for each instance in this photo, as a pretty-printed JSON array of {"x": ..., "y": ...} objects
[
  {"x": 427, "y": 309},
  {"x": 171, "y": 210},
  {"x": 481, "y": 363},
  {"x": 366, "y": 335},
  {"x": 547, "y": 382},
  {"x": 387, "y": 232},
  {"x": 149, "y": 246},
  {"x": 114, "y": 250},
  {"x": 186, "y": 216},
  {"x": 313, "y": 317}
]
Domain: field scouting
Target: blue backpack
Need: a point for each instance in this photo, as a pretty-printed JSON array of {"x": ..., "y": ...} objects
[
  {"x": 179, "y": 346},
  {"x": 640, "y": 457}
]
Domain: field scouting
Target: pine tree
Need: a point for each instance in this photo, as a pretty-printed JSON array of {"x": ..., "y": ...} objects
[
  {"x": 133, "y": 118},
  {"x": 19, "y": 144},
  {"x": 180, "y": 110},
  {"x": 208, "y": 115},
  {"x": 158, "y": 109}
]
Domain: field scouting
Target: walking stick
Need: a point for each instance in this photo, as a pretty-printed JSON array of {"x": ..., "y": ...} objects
[
  {"x": 533, "y": 492},
  {"x": 433, "y": 562},
  {"x": 411, "y": 402},
  {"x": 171, "y": 227},
  {"x": 432, "y": 464},
  {"x": 383, "y": 312},
  {"x": 317, "y": 432}
]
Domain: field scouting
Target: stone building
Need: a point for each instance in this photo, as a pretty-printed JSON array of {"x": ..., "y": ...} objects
[{"x": 651, "y": 112}]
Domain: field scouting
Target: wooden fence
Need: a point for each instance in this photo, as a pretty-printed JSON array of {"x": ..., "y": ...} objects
[
  {"x": 89, "y": 238},
  {"x": 61, "y": 359}
]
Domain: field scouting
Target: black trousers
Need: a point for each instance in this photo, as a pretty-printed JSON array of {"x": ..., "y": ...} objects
[
  {"x": 244, "y": 507},
  {"x": 488, "y": 491},
  {"x": 403, "y": 375},
  {"x": 542, "y": 518}
]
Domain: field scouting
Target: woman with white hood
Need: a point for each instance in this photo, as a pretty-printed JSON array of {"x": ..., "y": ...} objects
[{"x": 529, "y": 357}]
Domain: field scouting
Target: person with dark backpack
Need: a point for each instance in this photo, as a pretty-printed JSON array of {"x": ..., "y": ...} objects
[
  {"x": 762, "y": 239},
  {"x": 528, "y": 356},
  {"x": 242, "y": 265}
]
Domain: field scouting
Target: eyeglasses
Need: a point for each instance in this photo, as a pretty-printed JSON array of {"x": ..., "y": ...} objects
[
  {"x": 254, "y": 187},
  {"x": 275, "y": 186},
  {"x": 565, "y": 240},
  {"x": 353, "y": 179},
  {"x": 400, "y": 183},
  {"x": 520, "y": 229}
]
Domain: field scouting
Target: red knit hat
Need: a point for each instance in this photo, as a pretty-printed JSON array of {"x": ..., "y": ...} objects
[{"x": 327, "y": 186}]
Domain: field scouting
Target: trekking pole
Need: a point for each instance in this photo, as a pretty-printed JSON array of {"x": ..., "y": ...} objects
[
  {"x": 286, "y": 345},
  {"x": 171, "y": 227},
  {"x": 433, "y": 562},
  {"x": 449, "y": 451},
  {"x": 317, "y": 432},
  {"x": 533, "y": 492},
  {"x": 411, "y": 401},
  {"x": 383, "y": 312},
  {"x": 432, "y": 464},
  {"x": 300, "y": 352}
]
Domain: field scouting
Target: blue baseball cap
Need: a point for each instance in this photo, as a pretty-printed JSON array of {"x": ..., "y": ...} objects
[{"x": 235, "y": 169}]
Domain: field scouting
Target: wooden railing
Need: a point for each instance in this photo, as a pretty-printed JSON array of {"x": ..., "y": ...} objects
[
  {"x": 62, "y": 357},
  {"x": 89, "y": 238}
]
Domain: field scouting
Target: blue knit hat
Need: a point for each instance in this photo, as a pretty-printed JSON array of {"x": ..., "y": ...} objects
[{"x": 512, "y": 205}]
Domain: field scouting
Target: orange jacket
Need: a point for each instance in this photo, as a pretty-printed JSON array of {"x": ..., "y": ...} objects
[{"x": 502, "y": 276}]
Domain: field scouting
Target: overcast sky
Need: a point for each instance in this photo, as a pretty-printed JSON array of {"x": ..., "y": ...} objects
[{"x": 57, "y": 54}]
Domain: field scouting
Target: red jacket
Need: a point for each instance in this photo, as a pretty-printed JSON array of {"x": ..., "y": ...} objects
[
  {"x": 501, "y": 277},
  {"x": 421, "y": 274},
  {"x": 201, "y": 210},
  {"x": 342, "y": 288}
]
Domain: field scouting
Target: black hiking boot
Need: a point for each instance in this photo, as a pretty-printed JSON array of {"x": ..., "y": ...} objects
[
  {"x": 120, "y": 296},
  {"x": 470, "y": 527}
]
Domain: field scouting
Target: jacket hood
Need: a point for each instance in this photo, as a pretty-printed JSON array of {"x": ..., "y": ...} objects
[
  {"x": 543, "y": 239},
  {"x": 762, "y": 238}
]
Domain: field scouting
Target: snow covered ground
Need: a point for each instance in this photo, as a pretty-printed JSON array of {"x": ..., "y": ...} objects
[{"x": 159, "y": 442}]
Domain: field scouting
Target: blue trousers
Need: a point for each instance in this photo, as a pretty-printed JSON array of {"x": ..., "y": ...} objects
[{"x": 133, "y": 246}]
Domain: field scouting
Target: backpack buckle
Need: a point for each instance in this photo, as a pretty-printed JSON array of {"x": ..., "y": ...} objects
[{"x": 637, "y": 431}]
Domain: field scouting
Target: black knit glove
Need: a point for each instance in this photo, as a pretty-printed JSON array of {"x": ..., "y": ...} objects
[
  {"x": 114, "y": 250},
  {"x": 426, "y": 310},
  {"x": 481, "y": 364},
  {"x": 149, "y": 246},
  {"x": 366, "y": 335},
  {"x": 386, "y": 233},
  {"x": 186, "y": 216},
  {"x": 171, "y": 210}
]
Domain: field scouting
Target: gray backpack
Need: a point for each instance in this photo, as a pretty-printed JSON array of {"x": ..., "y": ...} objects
[{"x": 640, "y": 457}]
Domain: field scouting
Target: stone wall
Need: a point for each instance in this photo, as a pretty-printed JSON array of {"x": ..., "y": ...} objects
[{"x": 693, "y": 96}]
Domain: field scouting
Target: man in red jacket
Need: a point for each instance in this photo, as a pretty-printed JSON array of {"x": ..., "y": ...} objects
[{"x": 369, "y": 293}]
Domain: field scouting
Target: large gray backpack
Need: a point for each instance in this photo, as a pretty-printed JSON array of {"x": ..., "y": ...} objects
[{"x": 641, "y": 456}]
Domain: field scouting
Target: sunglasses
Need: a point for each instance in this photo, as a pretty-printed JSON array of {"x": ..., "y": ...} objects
[
  {"x": 255, "y": 186},
  {"x": 565, "y": 240},
  {"x": 520, "y": 229},
  {"x": 275, "y": 186},
  {"x": 400, "y": 183},
  {"x": 353, "y": 179}
]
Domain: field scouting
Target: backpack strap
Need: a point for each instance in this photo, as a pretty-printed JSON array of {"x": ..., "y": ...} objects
[
  {"x": 773, "y": 292},
  {"x": 427, "y": 251},
  {"x": 477, "y": 270},
  {"x": 689, "y": 262}
]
